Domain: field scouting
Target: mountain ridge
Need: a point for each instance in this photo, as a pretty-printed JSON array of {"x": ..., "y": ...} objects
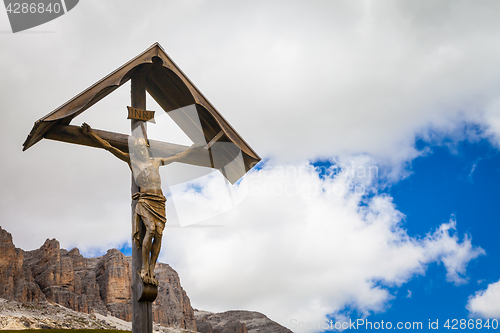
[{"x": 102, "y": 286}]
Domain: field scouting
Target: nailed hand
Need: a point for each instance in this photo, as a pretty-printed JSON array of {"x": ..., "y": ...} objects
[{"x": 86, "y": 129}]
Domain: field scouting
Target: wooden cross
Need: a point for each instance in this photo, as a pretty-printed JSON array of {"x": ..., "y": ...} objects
[
  {"x": 218, "y": 145},
  {"x": 142, "y": 317}
]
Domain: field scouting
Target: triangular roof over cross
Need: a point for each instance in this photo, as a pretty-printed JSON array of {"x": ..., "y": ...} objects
[{"x": 172, "y": 90}]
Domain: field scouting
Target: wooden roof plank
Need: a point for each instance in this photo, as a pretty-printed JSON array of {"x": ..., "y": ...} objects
[{"x": 169, "y": 86}]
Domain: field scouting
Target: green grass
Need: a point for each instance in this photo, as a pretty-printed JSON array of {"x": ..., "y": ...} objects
[{"x": 63, "y": 331}]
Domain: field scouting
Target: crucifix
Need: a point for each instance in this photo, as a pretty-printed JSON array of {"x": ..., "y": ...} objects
[{"x": 216, "y": 145}]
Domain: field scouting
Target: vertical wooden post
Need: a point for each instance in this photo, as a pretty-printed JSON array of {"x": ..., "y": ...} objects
[{"x": 142, "y": 314}]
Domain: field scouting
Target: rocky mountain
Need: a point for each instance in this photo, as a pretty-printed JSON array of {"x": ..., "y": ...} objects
[
  {"x": 16, "y": 316},
  {"x": 44, "y": 315},
  {"x": 89, "y": 285},
  {"x": 101, "y": 287},
  {"x": 236, "y": 321}
]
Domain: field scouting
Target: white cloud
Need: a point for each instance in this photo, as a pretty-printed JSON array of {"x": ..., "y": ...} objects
[
  {"x": 352, "y": 77},
  {"x": 298, "y": 80},
  {"x": 300, "y": 247},
  {"x": 486, "y": 303},
  {"x": 454, "y": 255}
]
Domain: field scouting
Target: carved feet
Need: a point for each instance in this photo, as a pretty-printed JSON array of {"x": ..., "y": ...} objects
[{"x": 148, "y": 278}]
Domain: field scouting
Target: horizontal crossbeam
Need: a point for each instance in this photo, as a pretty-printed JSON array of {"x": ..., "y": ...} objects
[{"x": 74, "y": 134}]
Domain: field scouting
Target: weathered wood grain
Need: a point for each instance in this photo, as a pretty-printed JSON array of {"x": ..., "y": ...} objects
[{"x": 142, "y": 312}]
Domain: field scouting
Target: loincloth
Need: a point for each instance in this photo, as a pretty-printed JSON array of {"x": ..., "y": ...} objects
[{"x": 151, "y": 208}]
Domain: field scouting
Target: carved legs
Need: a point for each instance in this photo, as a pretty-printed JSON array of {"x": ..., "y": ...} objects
[
  {"x": 155, "y": 251},
  {"x": 146, "y": 250},
  {"x": 150, "y": 252}
]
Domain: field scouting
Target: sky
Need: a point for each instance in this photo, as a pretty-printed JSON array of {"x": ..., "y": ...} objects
[{"x": 378, "y": 124}]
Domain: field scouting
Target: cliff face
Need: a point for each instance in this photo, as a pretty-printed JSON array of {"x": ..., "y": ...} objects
[
  {"x": 172, "y": 296},
  {"x": 86, "y": 285},
  {"x": 113, "y": 276},
  {"x": 15, "y": 279},
  {"x": 102, "y": 285}
]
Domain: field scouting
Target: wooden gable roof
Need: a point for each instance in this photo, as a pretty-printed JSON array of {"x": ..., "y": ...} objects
[{"x": 172, "y": 90}]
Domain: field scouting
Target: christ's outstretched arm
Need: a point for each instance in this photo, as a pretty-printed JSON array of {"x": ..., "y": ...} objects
[
  {"x": 86, "y": 129},
  {"x": 179, "y": 156}
]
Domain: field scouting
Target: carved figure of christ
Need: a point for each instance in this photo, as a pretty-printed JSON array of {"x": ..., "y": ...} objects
[{"x": 150, "y": 208}]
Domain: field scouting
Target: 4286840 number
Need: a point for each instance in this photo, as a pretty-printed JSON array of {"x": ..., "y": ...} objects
[
  {"x": 463, "y": 324},
  {"x": 24, "y": 8}
]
